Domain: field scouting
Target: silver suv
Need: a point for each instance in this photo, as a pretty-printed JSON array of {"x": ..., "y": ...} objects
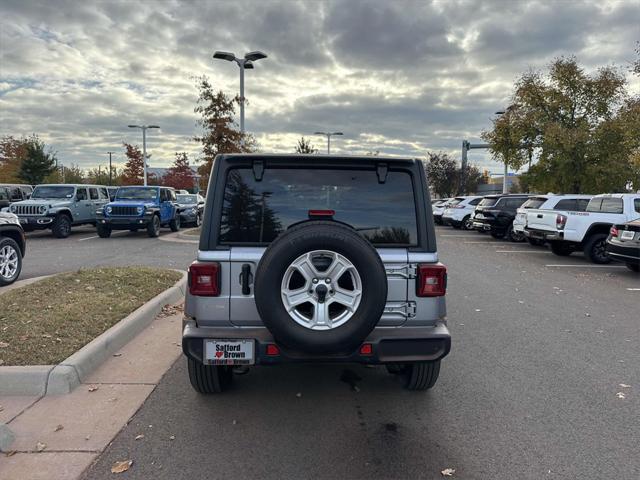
[
  {"x": 316, "y": 259},
  {"x": 59, "y": 207}
]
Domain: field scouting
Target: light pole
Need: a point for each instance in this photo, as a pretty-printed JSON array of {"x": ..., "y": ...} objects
[
  {"x": 110, "y": 167},
  {"x": 243, "y": 63},
  {"x": 328, "y": 135},
  {"x": 144, "y": 146},
  {"x": 506, "y": 167}
]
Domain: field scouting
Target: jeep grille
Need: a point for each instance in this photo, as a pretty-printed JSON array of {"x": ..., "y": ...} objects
[
  {"x": 124, "y": 211},
  {"x": 27, "y": 210}
]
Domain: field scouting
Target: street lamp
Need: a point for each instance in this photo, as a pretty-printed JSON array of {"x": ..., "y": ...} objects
[
  {"x": 243, "y": 63},
  {"x": 144, "y": 146},
  {"x": 328, "y": 135}
]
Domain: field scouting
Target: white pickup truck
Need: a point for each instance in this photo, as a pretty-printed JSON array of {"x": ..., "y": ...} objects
[{"x": 569, "y": 231}]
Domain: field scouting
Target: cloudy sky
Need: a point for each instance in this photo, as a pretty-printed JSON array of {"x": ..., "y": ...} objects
[{"x": 401, "y": 77}]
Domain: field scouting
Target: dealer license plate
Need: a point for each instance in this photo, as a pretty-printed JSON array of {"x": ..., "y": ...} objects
[
  {"x": 229, "y": 352},
  {"x": 628, "y": 235}
]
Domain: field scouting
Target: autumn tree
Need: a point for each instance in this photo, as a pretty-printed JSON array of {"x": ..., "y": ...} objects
[
  {"x": 64, "y": 174},
  {"x": 179, "y": 175},
  {"x": 304, "y": 146},
  {"x": 571, "y": 120},
  {"x": 37, "y": 163},
  {"x": 12, "y": 152},
  {"x": 98, "y": 175},
  {"x": 442, "y": 174},
  {"x": 220, "y": 132},
  {"x": 133, "y": 171}
]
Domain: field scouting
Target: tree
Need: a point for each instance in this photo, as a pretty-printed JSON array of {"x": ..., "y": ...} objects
[
  {"x": 12, "y": 152},
  {"x": 99, "y": 176},
  {"x": 570, "y": 118},
  {"x": 442, "y": 174},
  {"x": 220, "y": 133},
  {"x": 62, "y": 174},
  {"x": 179, "y": 176},
  {"x": 472, "y": 178},
  {"x": 133, "y": 172},
  {"x": 304, "y": 146},
  {"x": 37, "y": 164}
]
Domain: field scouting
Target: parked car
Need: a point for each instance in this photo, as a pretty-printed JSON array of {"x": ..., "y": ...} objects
[
  {"x": 459, "y": 212},
  {"x": 13, "y": 246},
  {"x": 191, "y": 207},
  {"x": 60, "y": 207},
  {"x": 569, "y": 202},
  {"x": 569, "y": 231},
  {"x": 112, "y": 193},
  {"x": 295, "y": 265},
  {"x": 18, "y": 192},
  {"x": 139, "y": 207},
  {"x": 438, "y": 209},
  {"x": 623, "y": 244},
  {"x": 495, "y": 214}
]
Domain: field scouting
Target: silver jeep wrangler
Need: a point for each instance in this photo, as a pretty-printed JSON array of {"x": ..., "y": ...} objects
[{"x": 316, "y": 259}]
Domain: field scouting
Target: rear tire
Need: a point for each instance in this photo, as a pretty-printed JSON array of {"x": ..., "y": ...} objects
[
  {"x": 208, "y": 379},
  {"x": 10, "y": 261},
  {"x": 104, "y": 231},
  {"x": 467, "y": 223},
  {"x": 61, "y": 226},
  {"x": 420, "y": 376},
  {"x": 634, "y": 267},
  {"x": 514, "y": 236},
  {"x": 596, "y": 249},
  {"x": 153, "y": 227},
  {"x": 560, "y": 248}
]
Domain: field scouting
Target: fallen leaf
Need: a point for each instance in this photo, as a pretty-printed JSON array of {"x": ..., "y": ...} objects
[
  {"x": 139, "y": 437},
  {"x": 4, "y": 344},
  {"x": 93, "y": 388},
  {"x": 123, "y": 466},
  {"x": 11, "y": 453},
  {"x": 621, "y": 385},
  {"x": 87, "y": 437},
  {"x": 621, "y": 395},
  {"x": 172, "y": 437},
  {"x": 448, "y": 472},
  {"x": 58, "y": 428},
  {"x": 520, "y": 301},
  {"x": 117, "y": 354},
  {"x": 478, "y": 310},
  {"x": 40, "y": 446},
  {"x": 587, "y": 314}
]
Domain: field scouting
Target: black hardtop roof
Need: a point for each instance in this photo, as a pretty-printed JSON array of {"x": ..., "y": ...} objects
[{"x": 320, "y": 158}]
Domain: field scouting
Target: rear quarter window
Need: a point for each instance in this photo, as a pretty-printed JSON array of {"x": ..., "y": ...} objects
[
  {"x": 606, "y": 205},
  {"x": 534, "y": 203},
  {"x": 488, "y": 202},
  {"x": 256, "y": 212},
  {"x": 567, "y": 204}
]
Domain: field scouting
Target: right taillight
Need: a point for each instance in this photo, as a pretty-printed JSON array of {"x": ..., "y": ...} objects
[
  {"x": 204, "y": 279},
  {"x": 432, "y": 280},
  {"x": 613, "y": 231},
  {"x": 561, "y": 221}
]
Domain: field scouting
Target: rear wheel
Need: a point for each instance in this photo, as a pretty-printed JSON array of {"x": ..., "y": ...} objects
[
  {"x": 208, "y": 379},
  {"x": 634, "y": 267},
  {"x": 562, "y": 249},
  {"x": 596, "y": 249},
  {"x": 61, "y": 226},
  {"x": 514, "y": 236},
  {"x": 10, "y": 261},
  {"x": 420, "y": 376},
  {"x": 174, "y": 223},
  {"x": 467, "y": 223},
  {"x": 153, "y": 227},
  {"x": 104, "y": 231}
]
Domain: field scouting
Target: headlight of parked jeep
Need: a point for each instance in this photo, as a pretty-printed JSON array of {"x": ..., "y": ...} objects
[
  {"x": 42, "y": 209},
  {"x": 108, "y": 209},
  {"x": 140, "y": 210},
  {"x": 13, "y": 208}
]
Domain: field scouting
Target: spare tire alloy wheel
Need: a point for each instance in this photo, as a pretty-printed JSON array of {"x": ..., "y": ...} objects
[
  {"x": 10, "y": 261},
  {"x": 320, "y": 287},
  {"x": 327, "y": 299}
]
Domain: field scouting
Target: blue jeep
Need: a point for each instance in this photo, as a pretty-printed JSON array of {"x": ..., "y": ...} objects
[{"x": 139, "y": 207}]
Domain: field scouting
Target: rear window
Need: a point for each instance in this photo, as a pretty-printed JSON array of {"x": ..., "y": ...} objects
[
  {"x": 488, "y": 202},
  {"x": 535, "y": 202},
  {"x": 256, "y": 212},
  {"x": 455, "y": 201},
  {"x": 605, "y": 205}
]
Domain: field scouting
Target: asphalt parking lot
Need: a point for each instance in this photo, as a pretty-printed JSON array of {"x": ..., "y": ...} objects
[{"x": 531, "y": 389}]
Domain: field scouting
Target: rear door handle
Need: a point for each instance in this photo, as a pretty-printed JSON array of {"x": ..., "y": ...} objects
[{"x": 246, "y": 279}]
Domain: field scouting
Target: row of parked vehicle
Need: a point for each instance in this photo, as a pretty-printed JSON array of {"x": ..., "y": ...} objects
[
  {"x": 604, "y": 227},
  {"x": 62, "y": 207}
]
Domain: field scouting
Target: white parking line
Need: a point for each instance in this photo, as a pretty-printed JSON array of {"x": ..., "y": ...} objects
[
  {"x": 520, "y": 251},
  {"x": 634, "y": 289},
  {"x": 467, "y": 235},
  {"x": 486, "y": 242},
  {"x": 96, "y": 236},
  {"x": 586, "y": 266}
]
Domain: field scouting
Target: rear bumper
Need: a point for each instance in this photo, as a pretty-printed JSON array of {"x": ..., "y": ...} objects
[
  {"x": 543, "y": 234},
  {"x": 624, "y": 254},
  {"x": 389, "y": 345}
]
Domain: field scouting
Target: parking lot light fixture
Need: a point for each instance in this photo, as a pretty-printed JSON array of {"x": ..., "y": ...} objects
[
  {"x": 328, "y": 135},
  {"x": 144, "y": 146},
  {"x": 243, "y": 63}
]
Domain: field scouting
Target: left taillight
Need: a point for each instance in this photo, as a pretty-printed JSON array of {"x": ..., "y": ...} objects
[
  {"x": 204, "y": 279},
  {"x": 561, "y": 221},
  {"x": 432, "y": 280}
]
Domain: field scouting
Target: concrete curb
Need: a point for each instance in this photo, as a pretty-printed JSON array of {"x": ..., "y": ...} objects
[
  {"x": 63, "y": 378},
  {"x": 184, "y": 236}
]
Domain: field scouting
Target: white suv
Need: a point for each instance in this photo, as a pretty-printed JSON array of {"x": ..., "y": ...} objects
[{"x": 459, "y": 212}]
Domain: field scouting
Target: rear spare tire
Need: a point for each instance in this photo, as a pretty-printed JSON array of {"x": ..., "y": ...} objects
[{"x": 320, "y": 288}]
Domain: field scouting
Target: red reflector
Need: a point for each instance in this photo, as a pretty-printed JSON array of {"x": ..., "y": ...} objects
[
  {"x": 432, "y": 280},
  {"x": 366, "y": 349},
  {"x": 614, "y": 231},
  {"x": 322, "y": 213},
  {"x": 273, "y": 350},
  {"x": 204, "y": 279}
]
